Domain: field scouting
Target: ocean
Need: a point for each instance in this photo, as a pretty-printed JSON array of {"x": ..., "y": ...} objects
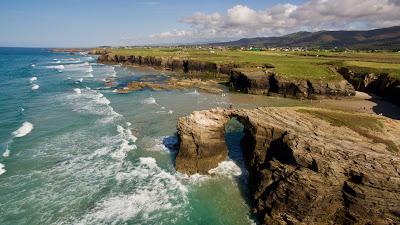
[{"x": 73, "y": 151}]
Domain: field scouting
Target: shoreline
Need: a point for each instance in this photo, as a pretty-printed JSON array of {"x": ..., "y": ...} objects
[
  {"x": 262, "y": 80},
  {"x": 249, "y": 80},
  {"x": 359, "y": 102},
  {"x": 330, "y": 163}
]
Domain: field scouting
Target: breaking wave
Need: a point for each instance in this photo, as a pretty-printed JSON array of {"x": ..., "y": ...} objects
[
  {"x": 58, "y": 67},
  {"x": 163, "y": 144},
  {"x": 149, "y": 101},
  {"x": 25, "y": 129},
  {"x": 6, "y": 153},
  {"x": 93, "y": 102},
  {"x": 227, "y": 168},
  {"x": 195, "y": 92},
  {"x": 2, "y": 170},
  {"x": 35, "y": 86},
  {"x": 32, "y": 79},
  {"x": 157, "y": 191},
  {"x": 78, "y": 91}
]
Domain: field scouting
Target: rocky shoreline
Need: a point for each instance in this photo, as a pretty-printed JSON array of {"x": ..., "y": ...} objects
[
  {"x": 263, "y": 81},
  {"x": 306, "y": 166},
  {"x": 252, "y": 81},
  {"x": 172, "y": 83},
  {"x": 379, "y": 84}
]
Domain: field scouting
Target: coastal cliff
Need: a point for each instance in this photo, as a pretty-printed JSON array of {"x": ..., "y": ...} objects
[
  {"x": 168, "y": 63},
  {"x": 267, "y": 82},
  {"x": 377, "y": 83},
  {"x": 246, "y": 80},
  {"x": 306, "y": 166}
]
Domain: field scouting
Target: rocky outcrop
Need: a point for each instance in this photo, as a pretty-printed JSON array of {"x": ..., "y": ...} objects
[
  {"x": 302, "y": 169},
  {"x": 97, "y": 51},
  {"x": 267, "y": 82},
  {"x": 252, "y": 81},
  {"x": 379, "y": 84},
  {"x": 168, "y": 63},
  {"x": 209, "y": 86}
]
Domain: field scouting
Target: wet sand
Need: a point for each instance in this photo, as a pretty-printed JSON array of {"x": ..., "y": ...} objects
[{"x": 361, "y": 102}]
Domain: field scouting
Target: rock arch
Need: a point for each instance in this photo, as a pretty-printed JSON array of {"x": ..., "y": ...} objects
[
  {"x": 202, "y": 139},
  {"x": 302, "y": 170}
]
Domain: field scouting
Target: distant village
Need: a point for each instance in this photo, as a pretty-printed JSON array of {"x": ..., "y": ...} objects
[{"x": 215, "y": 48}]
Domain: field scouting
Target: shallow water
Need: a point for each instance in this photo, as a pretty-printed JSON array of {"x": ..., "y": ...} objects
[{"x": 75, "y": 152}]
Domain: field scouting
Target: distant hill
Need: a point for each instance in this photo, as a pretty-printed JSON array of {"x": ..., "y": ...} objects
[{"x": 385, "y": 38}]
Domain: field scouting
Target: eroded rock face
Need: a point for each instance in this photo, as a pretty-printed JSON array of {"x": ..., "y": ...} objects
[
  {"x": 380, "y": 84},
  {"x": 302, "y": 170},
  {"x": 167, "y": 63},
  {"x": 266, "y": 82},
  {"x": 248, "y": 80}
]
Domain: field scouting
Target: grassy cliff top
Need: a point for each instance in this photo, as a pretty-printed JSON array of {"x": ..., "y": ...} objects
[
  {"x": 392, "y": 69},
  {"x": 310, "y": 65},
  {"x": 366, "y": 125}
]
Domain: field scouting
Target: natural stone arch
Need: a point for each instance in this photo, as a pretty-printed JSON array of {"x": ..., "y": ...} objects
[
  {"x": 302, "y": 170},
  {"x": 202, "y": 139}
]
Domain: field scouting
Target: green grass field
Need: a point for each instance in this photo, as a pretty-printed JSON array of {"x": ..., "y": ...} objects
[
  {"x": 364, "y": 125},
  {"x": 310, "y": 65}
]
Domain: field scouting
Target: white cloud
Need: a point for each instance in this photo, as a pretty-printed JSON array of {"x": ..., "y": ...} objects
[{"x": 242, "y": 21}]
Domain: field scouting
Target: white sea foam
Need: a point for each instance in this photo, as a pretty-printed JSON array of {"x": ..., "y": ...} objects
[
  {"x": 123, "y": 150},
  {"x": 126, "y": 134},
  {"x": 33, "y": 65},
  {"x": 131, "y": 191},
  {"x": 227, "y": 168},
  {"x": 159, "y": 191},
  {"x": 78, "y": 91},
  {"x": 92, "y": 102},
  {"x": 157, "y": 146},
  {"x": 163, "y": 144},
  {"x": 25, "y": 129},
  {"x": 72, "y": 59},
  {"x": 58, "y": 67},
  {"x": 6, "y": 153},
  {"x": 149, "y": 101},
  {"x": 90, "y": 75},
  {"x": 84, "y": 67},
  {"x": 80, "y": 80},
  {"x": 35, "y": 87},
  {"x": 126, "y": 144},
  {"x": 2, "y": 170},
  {"x": 194, "y": 178},
  {"x": 195, "y": 92},
  {"x": 170, "y": 111},
  {"x": 32, "y": 79}
]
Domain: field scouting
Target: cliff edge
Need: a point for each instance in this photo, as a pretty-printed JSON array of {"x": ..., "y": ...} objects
[{"x": 306, "y": 166}]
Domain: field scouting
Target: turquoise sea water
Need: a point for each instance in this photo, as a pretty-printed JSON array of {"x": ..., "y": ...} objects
[{"x": 74, "y": 152}]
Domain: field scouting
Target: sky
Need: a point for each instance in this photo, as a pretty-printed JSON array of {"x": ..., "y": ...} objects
[{"x": 90, "y": 23}]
